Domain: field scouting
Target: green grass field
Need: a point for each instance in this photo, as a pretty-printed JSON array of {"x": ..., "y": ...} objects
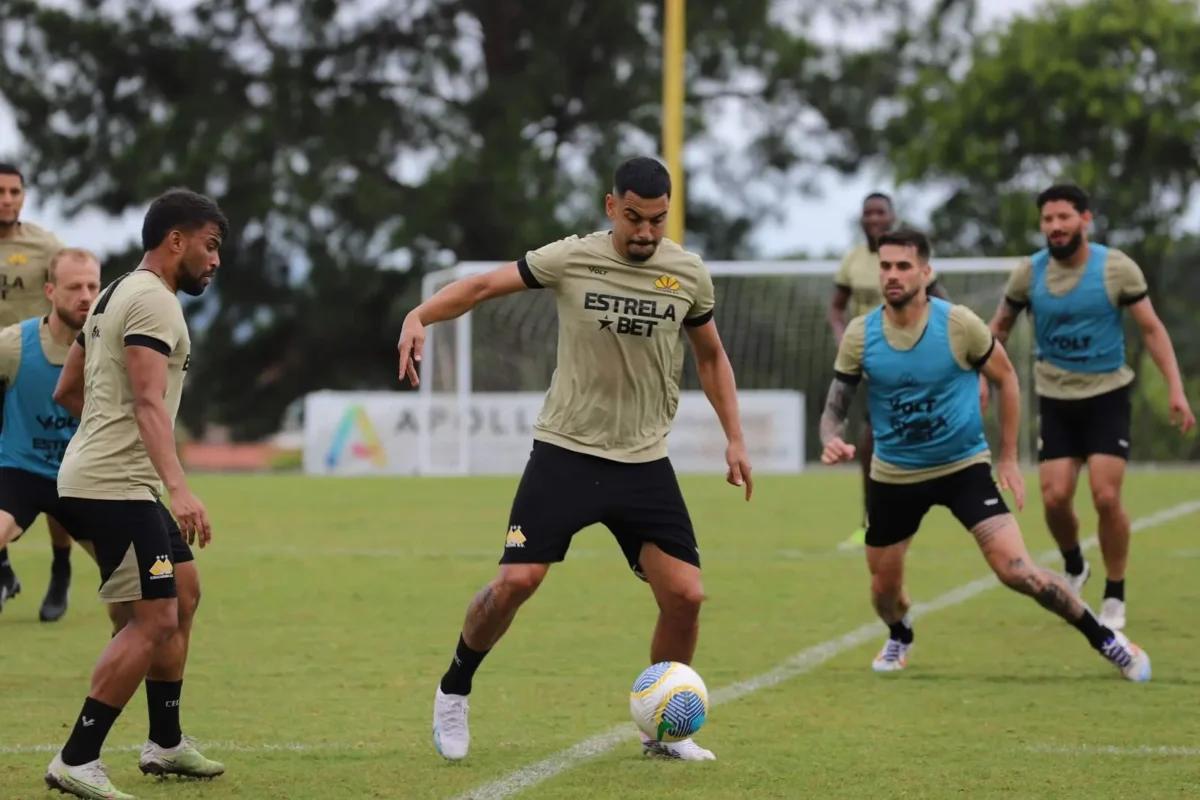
[{"x": 331, "y": 608}]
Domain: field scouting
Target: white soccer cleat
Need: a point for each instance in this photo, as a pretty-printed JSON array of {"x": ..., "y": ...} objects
[
  {"x": 450, "y": 733},
  {"x": 1076, "y": 582},
  {"x": 88, "y": 781},
  {"x": 1112, "y": 614},
  {"x": 892, "y": 658},
  {"x": 1132, "y": 660},
  {"x": 687, "y": 750}
]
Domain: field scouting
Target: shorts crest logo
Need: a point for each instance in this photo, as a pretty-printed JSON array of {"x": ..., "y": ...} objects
[
  {"x": 514, "y": 538},
  {"x": 665, "y": 283},
  {"x": 163, "y": 568}
]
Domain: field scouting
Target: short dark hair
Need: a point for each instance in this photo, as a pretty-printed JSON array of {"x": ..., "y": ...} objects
[
  {"x": 880, "y": 196},
  {"x": 906, "y": 237},
  {"x": 645, "y": 177},
  {"x": 182, "y": 210},
  {"x": 1068, "y": 192},
  {"x": 11, "y": 169}
]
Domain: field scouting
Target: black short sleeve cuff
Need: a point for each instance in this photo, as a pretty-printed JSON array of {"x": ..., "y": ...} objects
[
  {"x": 696, "y": 322},
  {"x": 80, "y": 340},
  {"x": 141, "y": 340},
  {"x": 1015, "y": 305},
  {"x": 846, "y": 377},
  {"x": 527, "y": 274},
  {"x": 1135, "y": 298},
  {"x": 979, "y": 362}
]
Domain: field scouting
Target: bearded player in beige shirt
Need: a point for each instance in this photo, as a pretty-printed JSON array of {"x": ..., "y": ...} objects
[
  {"x": 626, "y": 297},
  {"x": 856, "y": 292}
]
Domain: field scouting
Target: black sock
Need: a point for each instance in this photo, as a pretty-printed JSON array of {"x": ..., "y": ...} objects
[
  {"x": 1073, "y": 560},
  {"x": 162, "y": 700},
  {"x": 1115, "y": 590},
  {"x": 902, "y": 631},
  {"x": 5, "y": 564},
  {"x": 1090, "y": 627},
  {"x": 62, "y": 562},
  {"x": 457, "y": 679},
  {"x": 91, "y": 729}
]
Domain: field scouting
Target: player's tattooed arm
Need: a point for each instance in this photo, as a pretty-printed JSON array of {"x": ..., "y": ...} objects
[{"x": 837, "y": 407}]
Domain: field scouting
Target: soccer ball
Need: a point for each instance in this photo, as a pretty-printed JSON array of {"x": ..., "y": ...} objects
[{"x": 669, "y": 702}]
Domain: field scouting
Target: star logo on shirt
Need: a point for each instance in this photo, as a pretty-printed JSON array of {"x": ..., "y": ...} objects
[{"x": 605, "y": 323}]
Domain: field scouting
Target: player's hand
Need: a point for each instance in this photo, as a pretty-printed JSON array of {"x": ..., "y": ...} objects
[
  {"x": 1009, "y": 477},
  {"x": 411, "y": 345},
  {"x": 837, "y": 451},
  {"x": 191, "y": 516},
  {"x": 739, "y": 467},
  {"x": 985, "y": 393},
  {"x": 1181, "y": 412}
]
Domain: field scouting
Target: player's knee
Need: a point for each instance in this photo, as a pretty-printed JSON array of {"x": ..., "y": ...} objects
[
  {"x": 517, "y": 582},
  {"x": 1055, "y": 496},
  {"x": 1106, "y": 498},
  {"x": 188, "y": 603},
  {"x": 157, "y": 620},
  {"x": 886, "y": 583},
  {"x": 685, "y": 598}
]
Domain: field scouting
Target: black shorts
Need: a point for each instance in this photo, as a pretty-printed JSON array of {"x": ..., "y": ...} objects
[
  {"x": 1099, "y": 425},
  {"x": 25, "y": 495},
  {"x": 895, "y": 510},
  {"x": 561, "y": 492},
  {"x": 138, "y": 544}
]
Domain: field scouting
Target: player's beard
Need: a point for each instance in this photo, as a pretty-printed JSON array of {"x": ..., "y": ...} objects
[
  {"x": 643, "y": 255},
  {"x": 1061, "y": 252},
  {"x": 903, "y": 300},
  {"x": 68, "y": 317}
]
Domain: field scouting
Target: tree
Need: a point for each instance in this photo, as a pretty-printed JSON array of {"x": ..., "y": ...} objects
[
  {"x": 1104, "y": 93},
  {"x": 342, "y": 138}
]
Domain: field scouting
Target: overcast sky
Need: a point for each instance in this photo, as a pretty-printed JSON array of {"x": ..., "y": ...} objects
[{"x": 815, "y": 224}]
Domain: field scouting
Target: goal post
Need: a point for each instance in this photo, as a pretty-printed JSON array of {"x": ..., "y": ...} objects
[{"x": 483, "y": 374}]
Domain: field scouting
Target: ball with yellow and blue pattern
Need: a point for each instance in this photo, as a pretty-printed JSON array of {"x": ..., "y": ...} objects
[{"x": 669, "y": 702}]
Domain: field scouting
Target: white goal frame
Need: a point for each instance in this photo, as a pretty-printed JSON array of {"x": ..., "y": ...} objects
[{"x": 433, "y": 281}]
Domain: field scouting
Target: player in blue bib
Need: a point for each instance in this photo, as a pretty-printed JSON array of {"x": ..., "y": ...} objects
[
  {"x": 35, "y": 429},
  {"x": 921, "y": 358},
  {"x": 1076, "y": 292}
]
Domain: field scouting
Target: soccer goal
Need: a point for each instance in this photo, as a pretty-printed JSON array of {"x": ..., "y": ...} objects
[{"x": 483, "y": 375}]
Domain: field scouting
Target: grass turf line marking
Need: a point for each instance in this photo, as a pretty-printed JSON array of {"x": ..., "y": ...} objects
[
  {"x": 1112, "y": 750},
  {"x": 802, "y": 662}
]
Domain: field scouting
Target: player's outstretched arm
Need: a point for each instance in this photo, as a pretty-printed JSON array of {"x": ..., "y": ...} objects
[
  {"x": 148, "y": 379},
  {"x": 720, "y": 387},
  {"x": 68, "y": 392},
  {"x": 1158, "y": 342},
  {"x": 451, "y": 302},
  {"x": 998, "y": 368}
]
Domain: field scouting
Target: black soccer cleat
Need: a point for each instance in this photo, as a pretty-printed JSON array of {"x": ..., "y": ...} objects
[
  {"x": 54, "y": 604},
  {"x": 10, "y": 586}
]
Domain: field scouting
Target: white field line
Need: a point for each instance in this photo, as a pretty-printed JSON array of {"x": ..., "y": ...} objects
[
  {"x": 802, "y": 662},
  {"x": 1113, "y": 750}
]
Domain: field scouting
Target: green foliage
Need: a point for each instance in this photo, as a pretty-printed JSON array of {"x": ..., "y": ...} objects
[{"x": 340, "y": 138}]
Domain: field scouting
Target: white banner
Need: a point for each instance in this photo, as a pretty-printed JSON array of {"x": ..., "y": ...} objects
[{"x": 387, "y": 433}]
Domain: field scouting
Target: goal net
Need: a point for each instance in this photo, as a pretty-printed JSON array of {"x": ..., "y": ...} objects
[{"x": 484, "y": 374}]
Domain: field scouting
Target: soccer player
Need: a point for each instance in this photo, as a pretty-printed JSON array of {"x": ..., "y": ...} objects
[
  {"x": 921, "y": 356},
  {"x": 36, "y": 430},
  {"x": 25, "y": 253},
  {"x": 856, "y": 287},
  {"x": 129, "y": 362},
  {"x": 600, "y": 453},
  {"x": 1075, "y": 291}
]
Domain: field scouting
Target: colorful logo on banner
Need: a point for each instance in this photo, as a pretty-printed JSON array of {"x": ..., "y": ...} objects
[{"x": 355, "y": 436}]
